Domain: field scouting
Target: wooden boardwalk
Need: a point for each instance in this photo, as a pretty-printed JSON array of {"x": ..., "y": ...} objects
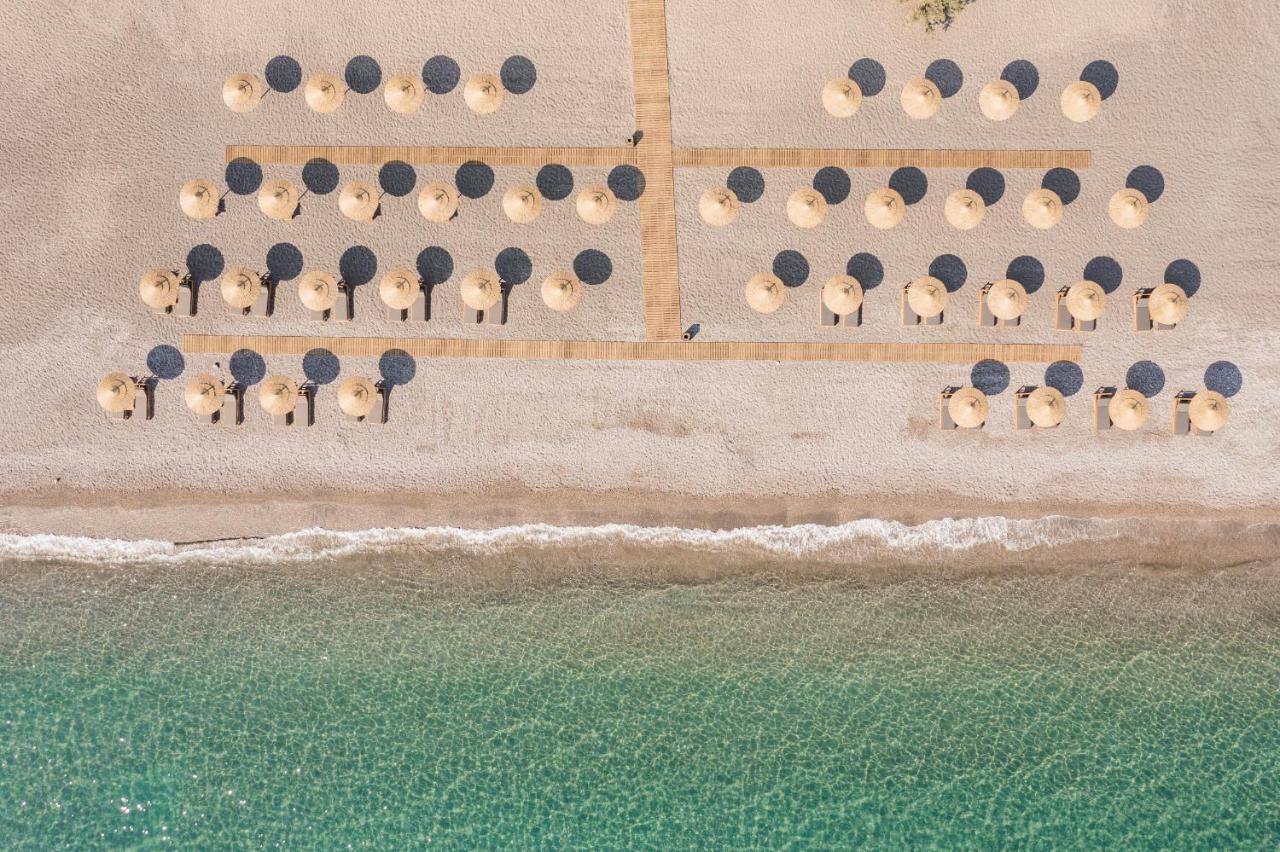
[{"x": 635, "y": 350}]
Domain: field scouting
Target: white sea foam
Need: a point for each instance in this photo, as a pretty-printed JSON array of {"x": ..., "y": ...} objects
[{"x": 800, "y": 540}]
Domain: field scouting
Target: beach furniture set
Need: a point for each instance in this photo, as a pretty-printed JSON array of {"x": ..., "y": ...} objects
[{"x": 1202, "y": 413}]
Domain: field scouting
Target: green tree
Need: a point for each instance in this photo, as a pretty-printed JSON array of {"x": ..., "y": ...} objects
[{"x": 936, "y": 13}]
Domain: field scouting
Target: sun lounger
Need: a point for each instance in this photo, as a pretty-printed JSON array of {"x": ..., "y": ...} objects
[
  {"x": 341, "y": 311},
  {"x": 827, "y": 318},
  {"x": 944, "y": 413},
  {"x": 497, "y": 315},
  {"x": 266, "y": 301},
  {"x": 379, "y": 413},
  {"x": 1101, "y": 409},
  {"x": 1182, "y": 413},
  {"x": 1062, "y": 319},
  {"x": 1142, "y": 310},
  {"x": 186, "y": 306},
  {"x": 317, "y": 316},
  {"x": 1020, "y": 418},
  {"x": 909, "y": 317},
  {"x": 986, "y": 319},
  {"x": 232, "y": 406},
  {"x": 307, "y": 405},
  {"x": 420, "y": 310},
  {"x": 935, "y": 320}
]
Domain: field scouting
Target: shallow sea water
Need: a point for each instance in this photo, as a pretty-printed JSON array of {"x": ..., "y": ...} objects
[{"x": 369, "y": 700}]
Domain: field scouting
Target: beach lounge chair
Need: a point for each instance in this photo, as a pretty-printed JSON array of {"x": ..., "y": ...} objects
[
  {"x": 1142, "y": 310},
  {"x": 144, "y": 401},
  {"x": 1020, "y": 418},
  {"x": 186, "y": 306},
  {"x": 1182, "y": 413},
  {"x": 910, "y": 317},
  {"x": 944, "y": 415},
  {"x": 342, "y": 309},
  {"x": 829, "y": 318},
  {"x": 1101, "y": 408},
  {"x": 986, "y": 319},
  {"x": 419, "y": 311},
  {"x": 232, "y": 406},
  {"x": 1062, "y": 318},
  {"x": 380, "y": 408},
  {"x": 265, "y": 303},
  {"x": 496, "y": 315}
]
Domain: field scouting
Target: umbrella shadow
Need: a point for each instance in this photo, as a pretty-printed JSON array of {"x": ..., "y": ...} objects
[
  {"x": 1148, "y": 180},
  {"x": 518, "y": 74},
  {"x": 513, "y": 266},
  {"x": 320, "y": 176},
  {"x": 1065, "y": 376},
  {"x": 363, "y": 75},
  {"x": 867, "y": 268},
  {"x": 946, "y": 75},
  {"x": 910, "y": 183},
  {"x": 833, "y": 184},
  {"x": 247, "y": 367},
  {"x": 554, "y": 182},
  {"x": 950, "y": 270},
  {"x": 357, "y": 266},
  {"x": 988, "y": 183},
  {"x": 1145, "y": 377},
  {"x": 592, "y": 266},
  {"x": 397, "y": 178},
  {"x": 1103, "y": 75},
  {"x": 1223, "y": 377},
  {"x": 474, "y": 179},
  {"x": 165, "y": 362},
  {"x": 791, "y": 267},
  {"x": 626, "y": 182},
  {"x": 440, "y": 74},
  {"x": 1063, "y": 182},
  {"x": 1027, "y": 271},
  {"x": 869, "y": 75},
  {"x": 320, "y": 366},
  {"x": 746, "y": 183},
  {"x": 1185, "y": 274},
  {"x": 284, "y": 261},
  {"x": 283, "y": 73},
  {"x": 990, "y": 376},
  {"x": 1105, "y": 272},
  {"x": 1023, "y": 75}
]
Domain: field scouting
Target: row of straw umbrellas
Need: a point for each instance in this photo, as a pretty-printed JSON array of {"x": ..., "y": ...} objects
[
  {"x": 206, "y": 393},
  {"x": 1007, "y": 299},
  {"x": 360, "y": 200},
  {"x": 885, "y": 208},
  {"x": 318, "y": 290},
  {"x": 999, "y": 100},
  {"x": 325, "y": 93},
  {"x": 1128, "y": 409}
]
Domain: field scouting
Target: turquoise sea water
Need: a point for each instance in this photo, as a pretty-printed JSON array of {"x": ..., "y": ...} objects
[{"x": 347, "y": 703}]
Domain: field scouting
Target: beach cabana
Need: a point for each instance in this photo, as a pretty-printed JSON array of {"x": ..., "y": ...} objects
[
  {"x": 765, "y": 293},
  {"x": 403, "y": 93},
  {"x": 719, "y": 206},
  {"x": 1079, "y": 306},
  {"x": 483, "y": 298},
  {"x": 841, "y": 97},
  {"x": 243, "y": 92},
  {"x": 1159, "y": 308},
  {"x": 117, "y": 394},
  {"x": 596, "y": 204},
  {"x": 483, "y": 93},
  {"x": 522, "y": 203},
  {"x": 806, "y": 208},
  {"x": 1041, "y": 407},
  {"x": 403, "y": 296},
  {"x": 1128, "y": 208},
  {"x": 323, "y": 296},
  {"x": 921, "y": 98},
  {"x": 438, "y": 202},
  {"x": 1042, "y": 209},
  {"x": 885, "y": 208},
  {"x": 166, "y": 292},
  {"x": 359, "y": 201},
  {"x": 324, "y": 92},
  {"x": 964, "y": 209},
  {"x": 841, "y": 302},
  {"x": 923, "y": 301},
  {"x": 999, "y": 100},
  {"x": 278, "y": 199},
  {"x": 1081, "y": 101},
  {"x": 962, "y": 408},
  {"x": 199, "y": 199},
  {"x": 1002, "y": 303},
  {"x": 279, "y": 395},
  {"x": 362, "y": 400},
  {"x": 561, "y": 291},
  {"x": 211, "y": 400},
  {"x": 1125, "y": 409},
  {"x": 244, "y": 290}
]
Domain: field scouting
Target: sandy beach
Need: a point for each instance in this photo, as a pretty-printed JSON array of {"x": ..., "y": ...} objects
[{"x": 113, "y": 108}]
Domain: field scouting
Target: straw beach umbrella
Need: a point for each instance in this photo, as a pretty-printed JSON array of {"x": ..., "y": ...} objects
[
  {"x": 399, "y": 289},
  {"x": 561, "y": 291},
  {"x": 841, "y": 97},
  {"x": 1168, "y": 304},
  {"x": 357, "y": 396},
  {"x": 199, "y": 199},
  {"x": 240, "y": 287},
  {"x": 522, "y": 203},
  {"x": 1128, "y": 409},
  {"x": 1086, "y": 300},
  {"x": 278, "y": 395},
  {"x": 885, "y": 208},
  {"x": 842, "y": 295},
  {"x": 999, "y": 100},
  {"x": 596, "y": 204},
  {"x": 1042, "y": 209},
  {"x": 1128, "y": 208},
  {"x": 204, "y": 394},
  {"x": 968, "y": 408},
  {"x": 480, "y": 290},
  {"x": 1209, "y": 411},
  {"x": 1081, "y": 101},
  {"x": 242, "y": 92},
  {"x": 438, "y": 202},
  {"x": 116, "y": 392},
  {"x": 483, "y": 93},
  {"x": 806, "y": 208},
  {"x": 278, "y": 199},
  {"x": 404, "y": 93},
  {"x": 324, "y": 93},
  {"x": 765, "y": 293},
  {"x": 719, "y": 206},
  {"x": 927, "y": 296},
  {"x": 964, "y": 209},
  {"x": 318, "y": 291},
  {"x": 921, "y": 98},
  {"x": 1007, "y": 299},
  {"x": 359, "y": 201},
  {"x": 159, "y": 288},
  {"x": 1046, "y": 406}
]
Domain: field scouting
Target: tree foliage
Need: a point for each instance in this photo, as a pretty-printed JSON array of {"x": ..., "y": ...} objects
[{"x": 936, "y": 14}]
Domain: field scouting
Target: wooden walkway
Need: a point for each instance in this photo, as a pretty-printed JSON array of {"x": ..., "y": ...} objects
[
  {"x": 658, "y": 203},
  {"x": 635, "y": 350}
]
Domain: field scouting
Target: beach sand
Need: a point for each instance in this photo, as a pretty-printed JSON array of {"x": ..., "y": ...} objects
[{"x": 114, "y": 107}]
